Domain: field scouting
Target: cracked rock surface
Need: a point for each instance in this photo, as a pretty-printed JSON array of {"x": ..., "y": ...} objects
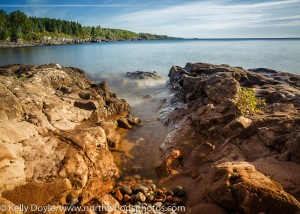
[
  {"x": 230, "y": 161},
  {"x": 55, "y": 126}
]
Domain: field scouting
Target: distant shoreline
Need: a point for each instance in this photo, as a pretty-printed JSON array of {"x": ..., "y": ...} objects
[
  {"x": 67, "y": 42},
  {"x": 57, "y": 42}
]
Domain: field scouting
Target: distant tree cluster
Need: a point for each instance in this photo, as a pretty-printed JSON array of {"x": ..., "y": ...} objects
[{"x": 17, "y": 25}]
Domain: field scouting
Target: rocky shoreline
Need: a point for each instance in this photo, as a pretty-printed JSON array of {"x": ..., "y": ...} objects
[
  {"x": 59, "y": 129},
  {"x": 49, "y": 41},
  {"x": 227, "y": 159}
]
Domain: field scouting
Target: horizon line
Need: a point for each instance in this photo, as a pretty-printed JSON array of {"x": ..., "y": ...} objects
[{"x": 239, "y": 38}]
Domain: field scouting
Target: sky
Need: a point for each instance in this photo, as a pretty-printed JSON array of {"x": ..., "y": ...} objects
[{"x": 178, "y": 18}]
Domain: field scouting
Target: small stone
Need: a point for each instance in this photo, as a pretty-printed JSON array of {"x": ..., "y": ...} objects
[
  {"x": 164, "y": 190},
  {"x": 136, "y": 187},
  {"x": 143, "y": 189},
  {"x": 137, "y": 203},
  {"x": 150, "y": 198},
  {"x": 153, "y": 186},
  {"x": 170, "y": 192},
  {"x": 169, "y": 198},
  {"x": 126, "y": 198},
  {"x": 141, "y": 197},
  {"x": 158, "y": 200},
  {"x": 73, "y": 202},
  {"x": 177, "y": 200},
  {"x": 181, "y": 193},
  {"x": 126, "y": 190},
  {"x": 176, "y": 189},
  {"x": 159, "y": 191},
  {"x": 118, "y": 195},
  {"x": 158, "y": 204},
  {"x": 134, "y": 198}
]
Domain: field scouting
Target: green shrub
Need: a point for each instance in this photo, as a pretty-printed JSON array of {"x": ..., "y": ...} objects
[{"x": 247, "y": 102}]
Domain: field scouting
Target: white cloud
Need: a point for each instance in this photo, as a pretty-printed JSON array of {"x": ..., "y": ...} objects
[{"x": 193, "y": 18}]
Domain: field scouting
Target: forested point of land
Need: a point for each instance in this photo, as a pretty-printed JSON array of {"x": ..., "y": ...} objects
[{"x": 16, "y": 26}]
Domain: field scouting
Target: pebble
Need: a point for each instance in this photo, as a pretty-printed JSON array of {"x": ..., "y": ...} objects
[
  {"x": 159, "y": 191},
  {"x": 150, "y": 198},
  {"x": 153, "y": 187},
  {"x": 141, "y": 197},
  {"x": 135, "y": 190},
  {"x": 136, "y": 187},
  {"x": 118, "y": 195},
  {"x": 127, "y": 198},
  {"x": 158, "y": 204},
  {"x": 176, "y": 189},
  {"x": 177, "y": 200},
  {"x": 158, "y": 200},
  {"x": 126, "y": 190},
  {"x": 181, "y": 193},
  {"x": 170, "y": 192},
  {"x": 169, "y": 198},
  {"x": 143, "y": 189}
]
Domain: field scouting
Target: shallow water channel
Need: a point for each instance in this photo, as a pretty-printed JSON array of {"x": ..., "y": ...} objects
[{"x": 139, "y": 149}]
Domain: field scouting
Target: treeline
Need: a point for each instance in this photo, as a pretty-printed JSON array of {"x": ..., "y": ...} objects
[{"x": 17, "y": 25}]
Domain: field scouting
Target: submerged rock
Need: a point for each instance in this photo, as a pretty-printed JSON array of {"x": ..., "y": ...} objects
[{"x": 143, "y": 75}]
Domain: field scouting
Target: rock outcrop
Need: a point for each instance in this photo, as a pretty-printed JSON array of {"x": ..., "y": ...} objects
[
  {"x": 143, "y": 75},
  {"x": 229, "y": 161},
  {"x": 56, "y": 131}
]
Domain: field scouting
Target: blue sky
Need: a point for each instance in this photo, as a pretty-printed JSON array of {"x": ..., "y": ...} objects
[{"x": 188, "y": 19}]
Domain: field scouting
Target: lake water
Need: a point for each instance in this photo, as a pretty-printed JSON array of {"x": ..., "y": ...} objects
[{"x": 95, "y": 58}]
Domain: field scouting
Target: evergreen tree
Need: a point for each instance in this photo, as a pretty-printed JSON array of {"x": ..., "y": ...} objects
[{"x": 16, "y": 25}]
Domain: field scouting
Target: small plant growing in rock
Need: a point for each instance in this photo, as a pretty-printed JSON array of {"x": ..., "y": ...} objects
[{"x": 248, "y": 102}]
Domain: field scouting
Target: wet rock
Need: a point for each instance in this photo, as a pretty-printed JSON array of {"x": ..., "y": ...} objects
[
  {"x": 126, "y": 190},
  {"x": 143, "y": 75},
  {"x": 128, "y": 123}
]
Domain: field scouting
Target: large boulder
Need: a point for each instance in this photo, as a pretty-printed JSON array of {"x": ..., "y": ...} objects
[
  {"x": 55, "y": 136},
  {"x": 238, "y": 186}
]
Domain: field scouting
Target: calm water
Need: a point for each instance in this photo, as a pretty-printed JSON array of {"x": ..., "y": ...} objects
[{"x": 121, "y": 57}]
